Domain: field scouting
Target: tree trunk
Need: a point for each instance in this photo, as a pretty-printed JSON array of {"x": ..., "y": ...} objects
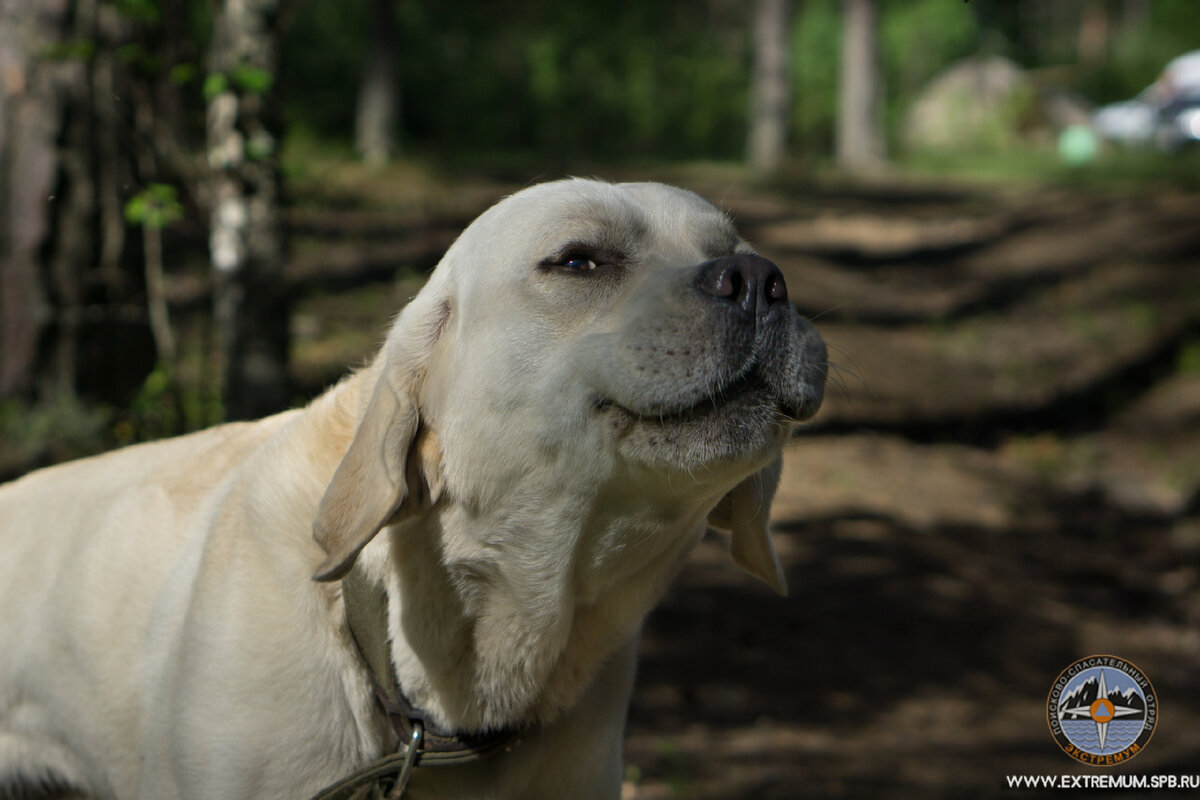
[
  {"x": 30, "y": 118},
  {"x": 378, "y": 99},
  {"x": 1093, "y": 34},
  {"x": 72, "y": 313},
  {"x": 770, "y": 91},
  {"x": 246, "y": 241},
  {"x": 860, "y": 138}
]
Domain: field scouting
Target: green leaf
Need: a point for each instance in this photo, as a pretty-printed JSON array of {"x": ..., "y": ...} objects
[
  {"x": 183, "y": 73},
  {"x": 156, "y": 206},
  {"x": 135, "y": 210},
  {"x": 130, "y": 53},
  {"x": 252, "y": 79},
  {"x": 139, "y": 10},
  {"x": 214, "y": 84},
  {"x": 259, "y": 147},
  {"x": 76, "y": 49}
]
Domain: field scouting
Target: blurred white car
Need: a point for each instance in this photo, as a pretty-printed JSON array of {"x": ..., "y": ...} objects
[
  {"x": 1181, "y": 76},
  {"x": 1130, "y": 121},
  {"x": 1167, "y": 113},
  {"x": 1178, "y": 123}
]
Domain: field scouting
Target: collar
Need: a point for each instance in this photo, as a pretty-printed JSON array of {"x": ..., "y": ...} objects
[
  {"x": 421, "y": 741},
  {"x": 367, "y": 617}
]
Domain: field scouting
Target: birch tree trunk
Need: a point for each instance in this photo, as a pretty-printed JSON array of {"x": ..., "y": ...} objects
[
  {"x": 246, "y": 241},
  {"x": 378, "y": 99},
  {"x": 770, "y": 91},
  {"x": 860, "y": 138}
]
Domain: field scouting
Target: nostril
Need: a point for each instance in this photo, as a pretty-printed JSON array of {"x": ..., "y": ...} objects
[
  {"x": 750, "y": 281},
  {"x": 776, "y": 288},
  {"x": 734, "y": 280},
  {"x": 722, "y": 282}
]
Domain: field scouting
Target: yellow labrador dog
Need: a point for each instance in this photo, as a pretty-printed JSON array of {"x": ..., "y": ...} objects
[{"x": 593, "y": 373}]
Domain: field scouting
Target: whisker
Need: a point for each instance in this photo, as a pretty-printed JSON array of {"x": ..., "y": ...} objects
[
  {"x": 836, "y": 377},
  {"x": 849, "y": 356},
  {"x": 829, "y": 310},
  {"x": 857, "y": 377}
]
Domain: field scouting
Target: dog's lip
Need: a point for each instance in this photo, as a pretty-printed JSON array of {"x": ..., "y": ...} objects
[{"x": 749, "y": 383}]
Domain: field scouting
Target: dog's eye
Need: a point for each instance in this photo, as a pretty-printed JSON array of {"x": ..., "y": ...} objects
[
  {"x": 579, "y": 263},
  {"x": 578, "y": 260}
]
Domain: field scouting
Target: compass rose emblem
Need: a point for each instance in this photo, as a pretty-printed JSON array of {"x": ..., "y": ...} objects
[{"x": 1102, "y": 710}]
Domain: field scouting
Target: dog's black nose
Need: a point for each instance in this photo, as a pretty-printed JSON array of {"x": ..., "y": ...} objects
[{"x": 749, "y": 281}]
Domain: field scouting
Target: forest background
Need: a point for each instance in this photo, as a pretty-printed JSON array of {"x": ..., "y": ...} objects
[
  {"x": 210, "y": 209},
  {"x": 146, "y": 143}
]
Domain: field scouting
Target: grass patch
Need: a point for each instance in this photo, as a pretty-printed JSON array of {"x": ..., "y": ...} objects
[
  {"x": 48, "y": 433},
  {"x": 1188, "y": 360},
  {"x": 1114, "y": 167}
]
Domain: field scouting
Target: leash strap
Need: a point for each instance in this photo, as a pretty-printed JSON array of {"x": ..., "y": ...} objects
[{"x": 388, "y": 774}]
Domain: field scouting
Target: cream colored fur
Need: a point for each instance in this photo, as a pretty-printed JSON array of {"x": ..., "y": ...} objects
[{"x": 504, "y": 468}]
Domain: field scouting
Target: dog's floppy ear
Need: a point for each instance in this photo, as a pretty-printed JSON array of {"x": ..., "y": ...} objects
[
  {"x": 744, "y": 511},
  {"x": 369, "y": 484},
  {"x": 387, "y": 458}
]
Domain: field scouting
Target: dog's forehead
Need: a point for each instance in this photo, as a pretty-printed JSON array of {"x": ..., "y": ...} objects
[
  {"x": 626, "y": 217},
  {"x": 677, "y": 213}
]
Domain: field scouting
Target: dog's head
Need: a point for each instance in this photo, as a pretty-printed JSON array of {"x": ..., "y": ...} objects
[{"x": 609, "y": 359}]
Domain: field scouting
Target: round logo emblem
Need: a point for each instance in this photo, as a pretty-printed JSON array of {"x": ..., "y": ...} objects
[{"x": 1102, "y": 710}]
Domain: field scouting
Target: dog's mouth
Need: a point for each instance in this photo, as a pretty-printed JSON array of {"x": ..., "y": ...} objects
[{"x": 748, "y": 390}]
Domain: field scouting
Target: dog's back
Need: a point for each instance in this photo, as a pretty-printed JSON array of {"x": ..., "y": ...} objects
[{"x": 72, "y": 639}]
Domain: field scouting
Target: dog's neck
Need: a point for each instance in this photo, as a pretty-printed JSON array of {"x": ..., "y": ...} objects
[{"x": 477, "y": 647}]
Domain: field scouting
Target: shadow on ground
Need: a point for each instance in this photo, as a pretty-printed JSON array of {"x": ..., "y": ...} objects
[{"x": 906, "y": 663}]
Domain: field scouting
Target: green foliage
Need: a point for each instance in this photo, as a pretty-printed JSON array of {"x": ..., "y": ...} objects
[
  {"x": 1137, "y": 55},
  {"x": 139, "y": 58},
  {"x": 816, "y": 48},
  {"x": 156, "y": 206},
  {"x": 614, "y": 77},
  {"x": 156, "y": 411},
  {"x": 49, "y": 432},
  {"x": 670, "y": 78},
  {"x": 145, "y": 11},
  {"x": 1187, "y": 362},
  {"x": 214, "y": 84},
  {"x": 252, "y": 79},
  {"x": 244, "y": 77},
  {"x": 1115, "y": 167},
  {"x": 677, "y": 772},
  {"x": 260, "y": 147},
  {"x": 1142, "y": 315},
  {"x": 70, "y": 50},
  {"x": 130, "y": 53},
  {"x": 166, "y": 406},
  {"x": 919, "y": 39},
  {"x": 183, "y": 73}
]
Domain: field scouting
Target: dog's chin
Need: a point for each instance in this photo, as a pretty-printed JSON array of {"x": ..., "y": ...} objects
[{"x": 739, "y": 425}]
